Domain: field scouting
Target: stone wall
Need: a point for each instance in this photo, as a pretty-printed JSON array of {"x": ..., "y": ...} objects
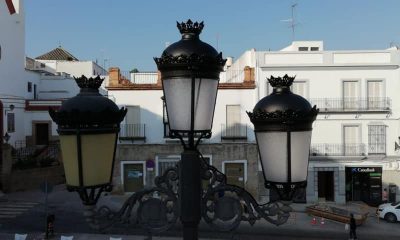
[
  {"x": 30, "y": 179},
  {"x": 219, "y": 153}
]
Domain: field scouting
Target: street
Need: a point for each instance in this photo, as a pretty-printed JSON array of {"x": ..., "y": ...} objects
[{"x": 24, "y": 212}]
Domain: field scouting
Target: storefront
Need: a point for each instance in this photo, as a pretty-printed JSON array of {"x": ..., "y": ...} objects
[{"x": 364, "y": 184}]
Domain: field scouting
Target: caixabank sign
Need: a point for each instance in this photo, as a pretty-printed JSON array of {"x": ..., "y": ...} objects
[{"x": 366, "y": 170}]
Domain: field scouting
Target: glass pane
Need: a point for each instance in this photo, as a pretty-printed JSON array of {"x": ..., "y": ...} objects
[
  {"x": 177, "y": 97},
  {"x": 273, "y": 151},
  {"x": 69, "y": 153},
  {"x": 178, "y": 100},
  {"x": 97, "y": 155},
  {"x": 206, "y": 93},
  {"x": 300, "y": 147}
]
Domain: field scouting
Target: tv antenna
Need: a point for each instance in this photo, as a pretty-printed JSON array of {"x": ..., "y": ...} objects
[{"x": 292, "y": 22}]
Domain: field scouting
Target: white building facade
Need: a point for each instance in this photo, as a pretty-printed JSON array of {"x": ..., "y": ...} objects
[{"x": 352, "y": 155}]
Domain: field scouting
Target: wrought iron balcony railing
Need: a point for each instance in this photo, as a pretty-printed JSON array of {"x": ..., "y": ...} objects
[
  {"x": 353, "y": 104},
  {"x": 232, "y": 132},
  {"x": 136, "y": 131},
  {"x": 328, "y": 149}
]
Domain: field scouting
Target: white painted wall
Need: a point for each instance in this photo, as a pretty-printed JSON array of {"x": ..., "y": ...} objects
[
  {"x": 74, "y": 68},
  {"x": 151, "y": 107},
  {"x": 12, "y": 43}
]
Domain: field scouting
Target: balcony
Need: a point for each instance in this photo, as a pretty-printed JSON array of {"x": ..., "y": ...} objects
[
  {"x": 234, "y": 132},
  {"x": 132, "y": 132},
  {"x": 328, "y": 149},
  {"x": 340, "y": 105}
]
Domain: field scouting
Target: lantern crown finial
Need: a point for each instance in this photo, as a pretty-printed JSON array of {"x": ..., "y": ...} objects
[
  {"x": 91, "y": 83},
  {"x": 190, "y": 27},
  {"x": 279, "y": 82}
]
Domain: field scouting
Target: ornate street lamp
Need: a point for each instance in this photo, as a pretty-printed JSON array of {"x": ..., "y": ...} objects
[
  {"x": 88, "y": 125},
  {"x": 190, "y": 72},
  {"x": 282, "y": 125}
]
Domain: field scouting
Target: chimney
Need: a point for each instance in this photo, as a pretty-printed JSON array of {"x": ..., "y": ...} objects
[
  {"x": 114, "y": 76},
  {"x": 248, "y": 74},
  {"x": 159, "y": 79}
]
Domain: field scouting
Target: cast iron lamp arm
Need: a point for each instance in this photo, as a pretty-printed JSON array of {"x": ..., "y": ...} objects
[{"x": 156, "y": 209}]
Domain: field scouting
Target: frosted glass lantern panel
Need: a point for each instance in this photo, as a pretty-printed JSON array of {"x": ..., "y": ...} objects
[
  {"x": 178, "y": 99},
  {"x": 273, "y": 151},
  {"x": 300, "y": 148},
  {"x": 97, "y": 158}
]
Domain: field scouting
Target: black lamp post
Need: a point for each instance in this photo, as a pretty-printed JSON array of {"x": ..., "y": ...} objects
[
  {"x": 282, "y": 125},
  {"x": 190, "y": 72},
  {"x": 88, "y": 125}
]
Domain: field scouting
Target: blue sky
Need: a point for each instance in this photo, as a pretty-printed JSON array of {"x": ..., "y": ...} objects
[{"x": 130, "y": 33}]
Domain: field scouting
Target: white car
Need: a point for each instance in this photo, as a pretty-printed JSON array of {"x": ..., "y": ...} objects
[{"x": 389, "y": 211}]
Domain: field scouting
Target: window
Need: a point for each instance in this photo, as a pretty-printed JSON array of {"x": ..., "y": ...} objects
[
  {"x": 10, "y": 122},
  {"x": 350, "y": 95},
  {"x": 165, "y": 162},
  {"x": 133, "y": 175},
  {"x": 376, "y": 139},
  {"x": 35, "y": 96},
  {"x": 29, "y": 87},
  {"x": 236, "y": 172},
  {"x": 314, "y": 48},
  {"x": 233, "y": 126},
  {"x": 302, "y": 49},
  {"x": 132, "y": 127},
  {"x": 375, "y": 95},
  {"x": 300, "y": 88},
  {"x": 351, "y": 140}
]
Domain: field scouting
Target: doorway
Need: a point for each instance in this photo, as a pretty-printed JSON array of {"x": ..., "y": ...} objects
[
  {"x": 326, "y": 187},
  {"x": 41, "y": 133},
  {"x": 133, "y": 176},
  {"x": 235, "y": 173}
]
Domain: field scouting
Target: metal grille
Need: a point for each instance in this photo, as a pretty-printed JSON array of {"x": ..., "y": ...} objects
[
  {"x": 164, "y": 165},
  {"x": 377, "y": 139}
]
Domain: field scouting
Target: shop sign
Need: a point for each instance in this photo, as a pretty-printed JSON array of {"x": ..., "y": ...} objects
[{"x": 363, "y": 170}]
